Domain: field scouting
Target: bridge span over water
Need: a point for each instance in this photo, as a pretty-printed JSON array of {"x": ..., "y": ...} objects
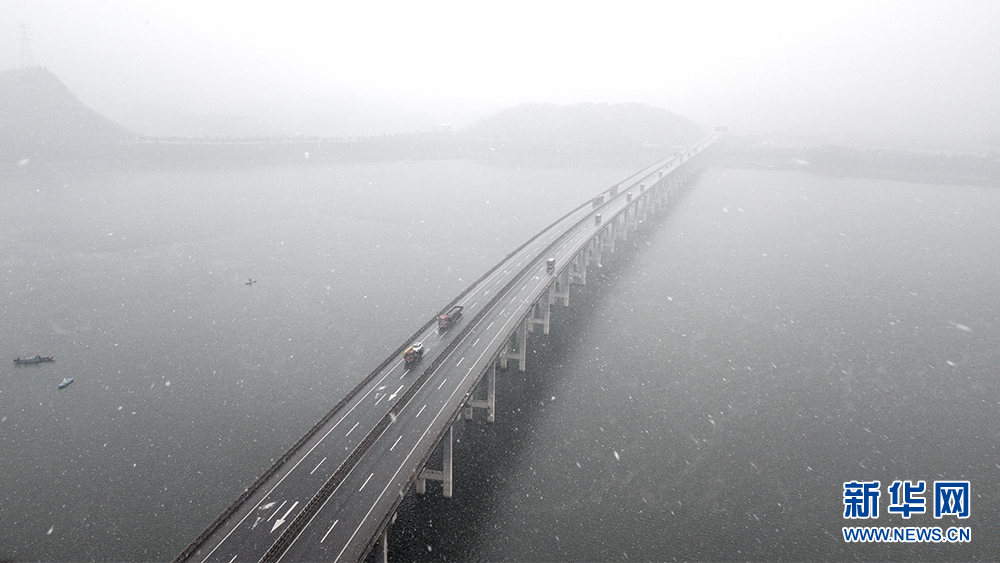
[{"x": 334, "y": 493}]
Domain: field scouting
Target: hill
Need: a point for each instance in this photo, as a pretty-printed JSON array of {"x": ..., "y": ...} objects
[
  {"x": 38, "y": 112},
  {"x": 588, "y": 125}
]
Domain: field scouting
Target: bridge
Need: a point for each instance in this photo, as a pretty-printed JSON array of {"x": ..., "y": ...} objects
[{"x": 334, "y": 493}]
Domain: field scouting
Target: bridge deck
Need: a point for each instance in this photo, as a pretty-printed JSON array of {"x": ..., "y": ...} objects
[{"x": 332, "y": 493}]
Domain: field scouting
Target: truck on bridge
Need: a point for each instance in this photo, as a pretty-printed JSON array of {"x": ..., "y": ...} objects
[{"x": 448, "y": 319}]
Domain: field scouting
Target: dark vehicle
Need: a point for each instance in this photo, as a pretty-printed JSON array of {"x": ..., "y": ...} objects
[
  {"x": 598, "y": 200},
  {"x": 413, "y": 354},
  {"x": 550, "y": 265},
  {"x": 613, "y": 191},
  {"x": 448, "y": 319},
  {"x": 33, "y": 360}
]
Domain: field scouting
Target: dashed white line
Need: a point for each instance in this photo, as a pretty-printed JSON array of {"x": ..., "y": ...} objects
[
  {"x": 330, "y": 530},
  {"x": 396, "y": 442},
  {"x": 460, "y": 361},
  {"x": 420, "y": 411},
  {"x": 366, "y": 483},
  {"x": 233, "y": 559},
  {"x": 317, "y": 466},
  {"x": 476, "y": 342},
  {"x": 352, "y": 429},
  {"x": 442, "y": 384}
]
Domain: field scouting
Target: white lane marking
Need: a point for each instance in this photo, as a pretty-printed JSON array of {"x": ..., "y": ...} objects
[
  {"x": 473, "y": 306},
  {"x": 376, "y": 403},
  {"x": 366, "y": 483},
  {"x": 396, "y": 442},
  {"x": 442, "y": 384},
  {"x": 280, "y": 521},
  {"x": 317, "y": 466},
  {"x": 352, "y": 429},
  {"x": 233, "y": 559},
  {"x": 500, "y": 314},
  {"x": 393, "y": 396},
  {"x": 489, "y": 327},
  {"x": 460, "y": 361},
  {"x": 330, "y": 530},
  {"x": 571, "y": 219},
  {"x": 277, "y": 510},
  {"x": 421, "y": 410},
  {"x": 476, "y": 342}
]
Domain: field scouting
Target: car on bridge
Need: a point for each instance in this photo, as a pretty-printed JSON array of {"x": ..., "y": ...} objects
[
  {"x": 413, "y": 354},
  {"x": 550, "y": 265}
]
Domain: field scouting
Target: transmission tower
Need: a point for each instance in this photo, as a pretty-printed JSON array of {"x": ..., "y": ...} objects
[{"x": 26, "y": 60}]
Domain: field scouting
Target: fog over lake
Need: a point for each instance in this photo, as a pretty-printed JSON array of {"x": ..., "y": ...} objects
[{"x": 777, "y": 335}]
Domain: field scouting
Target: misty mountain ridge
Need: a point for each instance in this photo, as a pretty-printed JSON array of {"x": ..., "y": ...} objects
[
  {"x": 36, "y": 108},
  {"x": 588, "y": 124}
]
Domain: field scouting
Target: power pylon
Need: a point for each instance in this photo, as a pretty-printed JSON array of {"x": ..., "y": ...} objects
[{"x": 26, "y": 60}]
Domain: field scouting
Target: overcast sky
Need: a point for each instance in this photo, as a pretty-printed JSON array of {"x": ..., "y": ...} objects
[{"x": 842, "y": 67}]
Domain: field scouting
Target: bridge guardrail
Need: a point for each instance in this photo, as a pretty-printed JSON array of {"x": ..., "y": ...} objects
[{"x": 370, "y": 438}]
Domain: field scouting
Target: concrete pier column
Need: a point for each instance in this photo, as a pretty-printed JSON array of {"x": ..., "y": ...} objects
[
  {"x": 561, "y": 287},
  {"x": 523, "y": 344},
  {"x": 491, "y": 397},
  {"x": 610, "y": 234},
  {"x": 445, "y": 475},
  {"x": 542, "y": 307},
  {"x": 384, "y": 540},
  {"x": 516, "y": 346},
  {"x": 594, "y": 248},
  {"x": 447, "y": 463},
  {"x": 580, "y": 264}
]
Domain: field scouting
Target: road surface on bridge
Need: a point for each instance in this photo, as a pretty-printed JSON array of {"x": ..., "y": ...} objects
[{"x": 365, "y": 468}]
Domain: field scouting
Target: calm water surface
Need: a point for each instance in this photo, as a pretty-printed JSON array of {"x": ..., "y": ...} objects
[
  {"x": 777, "y": 335},
  {"x": 188, "y": 382}
]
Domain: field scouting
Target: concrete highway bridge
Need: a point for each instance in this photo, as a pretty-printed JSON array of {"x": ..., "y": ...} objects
[{"x": 334, "y": 493}]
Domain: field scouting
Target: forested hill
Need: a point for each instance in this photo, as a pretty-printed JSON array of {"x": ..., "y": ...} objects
[
  {"x": 36, "y": 109},
  {"x": 588, "y": 124}
]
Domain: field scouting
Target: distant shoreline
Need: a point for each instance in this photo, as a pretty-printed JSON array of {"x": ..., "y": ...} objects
[{"x": 153, "y": 154}]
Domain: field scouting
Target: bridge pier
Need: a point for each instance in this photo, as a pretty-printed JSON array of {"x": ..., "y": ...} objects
[
  {"x": 534, "y": 319},
  {"x": 491, "y": 393},
  {"x": 579, "y": 264},
  {"x": 560, "y": 287},
  {"x": 595, "y": 249},
  {"x": 445, "y": 475},
  {"x": 612, "y": 234},
  {"x": 520, "y": 352}
]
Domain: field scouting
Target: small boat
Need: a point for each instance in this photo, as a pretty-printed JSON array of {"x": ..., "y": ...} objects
[
  {"x": 33, "y": 360},
  {"x": 65, "y": 382},
  {"x": 250, "y": 281}
]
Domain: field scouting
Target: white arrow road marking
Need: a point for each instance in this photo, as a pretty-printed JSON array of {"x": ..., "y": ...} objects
[
  {"x": 393, "y": 396},
  {"x": 276, "y": 510},
  {"x": 281, "y": 520}
]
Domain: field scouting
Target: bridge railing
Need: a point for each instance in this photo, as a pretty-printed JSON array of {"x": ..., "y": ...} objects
[{"x": 404, "y": 399}]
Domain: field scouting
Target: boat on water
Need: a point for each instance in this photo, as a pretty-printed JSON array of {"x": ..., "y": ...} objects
[
  {"x": 33, "y": 360},
  {"x": 65, "y": 382},
  {"x": 250, "y": 281}
]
